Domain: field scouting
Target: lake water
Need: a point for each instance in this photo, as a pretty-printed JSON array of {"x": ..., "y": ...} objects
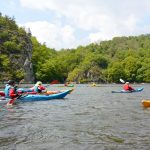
[{"x": 90, "y": 118}]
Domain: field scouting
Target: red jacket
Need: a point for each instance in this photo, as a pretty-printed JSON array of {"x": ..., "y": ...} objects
[
  {"x": 12, "y": 93},
  {"x": 127, "y": 87},
  {"x": 41, "y": 87}
]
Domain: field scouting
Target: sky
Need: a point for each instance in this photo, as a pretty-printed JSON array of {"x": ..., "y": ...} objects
[{"x": 66, "y": 24}]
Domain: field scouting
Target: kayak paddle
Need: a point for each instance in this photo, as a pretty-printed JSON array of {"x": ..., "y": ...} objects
[
  {"x": 11, "y": 102},
  {"x": 122, "y": 81}
]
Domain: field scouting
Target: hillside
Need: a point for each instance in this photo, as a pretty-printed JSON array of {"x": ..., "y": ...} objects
[
  {"x": 23, "y": 57},
  {"x": 15, "y": 51}
]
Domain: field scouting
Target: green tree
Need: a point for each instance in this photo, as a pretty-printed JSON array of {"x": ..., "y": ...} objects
[{"x": 115, "y": 72}]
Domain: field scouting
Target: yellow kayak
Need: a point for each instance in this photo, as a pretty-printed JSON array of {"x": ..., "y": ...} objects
[
  {"x": 93, "y": 84},
  {"x": 146, "y": 103}
]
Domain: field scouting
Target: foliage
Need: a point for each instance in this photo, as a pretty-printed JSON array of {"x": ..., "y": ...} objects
[
  {"x": 13, "y": 45},
  {"x": 106, "y": 61}
]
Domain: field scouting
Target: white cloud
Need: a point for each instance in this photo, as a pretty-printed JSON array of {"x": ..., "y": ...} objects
[
  {"x": 99, "y": 36},
  {"x": 55, "y": 36},
  {"x": 102, "y": 19}
]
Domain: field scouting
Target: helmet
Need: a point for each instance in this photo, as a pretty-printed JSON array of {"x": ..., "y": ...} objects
[
  {"x": 38, "y": 83},
  {"x": 11, "y": 82},
  {"x": 127, "y": 82}
]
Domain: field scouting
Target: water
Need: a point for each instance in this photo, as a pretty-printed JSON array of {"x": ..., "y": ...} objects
[{"x": 90, "y": 118}]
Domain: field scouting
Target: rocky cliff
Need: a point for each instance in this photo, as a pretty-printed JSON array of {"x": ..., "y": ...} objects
[{"x": 15, "y": 52}]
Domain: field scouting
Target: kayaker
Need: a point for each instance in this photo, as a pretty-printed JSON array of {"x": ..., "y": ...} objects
[
  {"x": 11, "y": 91},
  {"x": 93, "y": 84},
  {"x": 127, "y": 87},
  {"x": 39, "y": 88}
]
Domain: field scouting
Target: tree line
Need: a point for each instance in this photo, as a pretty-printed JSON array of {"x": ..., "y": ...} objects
[{"x": 103, "y": 62}]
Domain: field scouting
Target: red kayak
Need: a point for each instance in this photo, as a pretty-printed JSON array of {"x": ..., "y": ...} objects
[{"x": 2, "y": 93}]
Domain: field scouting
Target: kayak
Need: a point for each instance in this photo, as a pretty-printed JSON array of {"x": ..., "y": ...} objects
[
  {"x": 95, "y": 85},
  {"x": 20, "y": 90},
  {"x": 70, "y": 85},
  {"x": 124, "y": 91},
  {"x": 38, "y": 97},
  {"x": 24, "y": 90},
  {"x": 2, "y": 93},
  {"x": 146, "y": 103}
]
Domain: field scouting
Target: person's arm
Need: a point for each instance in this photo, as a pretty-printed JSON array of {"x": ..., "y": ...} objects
[
  {"x": 12, "y": 93},
  {"x": 39, "y": 90},
  {"x": 131, "y": 88},
  {"x": 42, "y": 88}
]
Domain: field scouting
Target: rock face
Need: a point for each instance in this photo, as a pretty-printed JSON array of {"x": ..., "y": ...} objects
[
  {"x": 15, "y": 52},
  {"x": 28, "y": 68},
  {"x": 28, "y": 71},
  {"x": 20, "y": 62}
]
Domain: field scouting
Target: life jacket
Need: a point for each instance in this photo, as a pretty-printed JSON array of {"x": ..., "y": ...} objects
[
  {"x": 39, "y": 89},
  {"x": 7, "y": 88},
  {"x": 36, "y": 89},
  {"x": 127, "y": 87}
]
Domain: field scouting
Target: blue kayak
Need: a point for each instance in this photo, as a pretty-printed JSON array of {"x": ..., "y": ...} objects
[
  {"x": 124, "y": 91},
  {"x": 39, "y": 97}
]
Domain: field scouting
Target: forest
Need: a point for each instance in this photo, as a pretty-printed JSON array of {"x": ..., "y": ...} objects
[{"x": 104, "y": 62}]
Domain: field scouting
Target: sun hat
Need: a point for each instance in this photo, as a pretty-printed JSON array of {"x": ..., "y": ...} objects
[{"x": 38, "y": 83}]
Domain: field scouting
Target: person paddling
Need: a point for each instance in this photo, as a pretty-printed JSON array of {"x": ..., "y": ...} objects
[
  {"x": 11, "y": 91},
  {"x": 127, "y": 87},
  {"x": 39, "y": 88}
]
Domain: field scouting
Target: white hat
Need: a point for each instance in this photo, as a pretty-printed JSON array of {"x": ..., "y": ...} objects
[
  {"x": 127, "y": 82},
  {"x": 38, "y": 83}
]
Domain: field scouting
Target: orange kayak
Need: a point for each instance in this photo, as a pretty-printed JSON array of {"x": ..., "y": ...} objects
[
  {"x": 53, "y": 92},
  {"x": 146, "y": 103},
  {"x": 56, "y": 92}
]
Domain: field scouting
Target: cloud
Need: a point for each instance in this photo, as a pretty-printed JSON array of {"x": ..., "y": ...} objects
[
  {"x": 101, "y": 19},
  {"x": 54, "y": 35}
]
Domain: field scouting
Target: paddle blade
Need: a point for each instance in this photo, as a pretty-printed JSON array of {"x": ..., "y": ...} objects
[
  {"x": 54, "y": 82},
  {"x": 122, "y": 81}
]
